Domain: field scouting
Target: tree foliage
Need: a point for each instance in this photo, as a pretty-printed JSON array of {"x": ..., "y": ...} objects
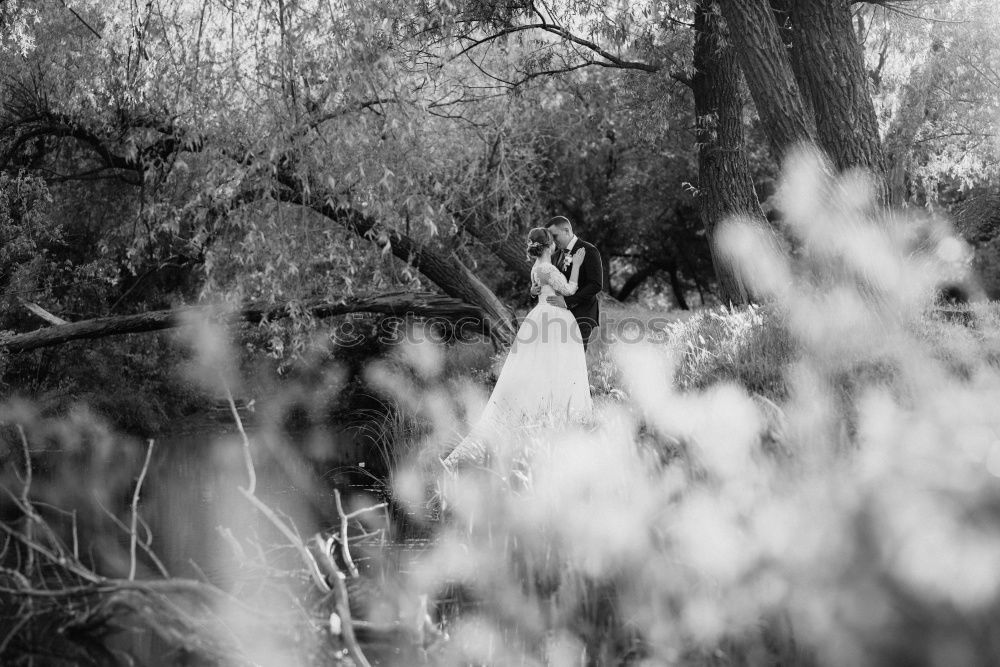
[
  {"x": 214, "y": 151},
  {"x": 936, "y": 72}
]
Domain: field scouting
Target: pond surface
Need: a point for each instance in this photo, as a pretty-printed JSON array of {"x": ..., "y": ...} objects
[
  {"x": 196, "y": 511},
  {"x": 204, "y": 527}
]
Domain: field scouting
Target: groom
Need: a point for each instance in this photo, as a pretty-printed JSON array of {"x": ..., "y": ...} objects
[{"x": 583, "y": 304}]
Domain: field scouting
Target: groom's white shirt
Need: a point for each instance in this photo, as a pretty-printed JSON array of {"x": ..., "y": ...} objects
[{"x": 567, "y": 253}]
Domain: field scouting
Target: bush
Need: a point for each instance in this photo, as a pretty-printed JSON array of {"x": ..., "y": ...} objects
[{"x": 750, "y": 346}]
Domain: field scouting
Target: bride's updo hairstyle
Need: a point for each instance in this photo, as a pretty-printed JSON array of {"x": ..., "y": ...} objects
[{"x": 539, "y": 239}]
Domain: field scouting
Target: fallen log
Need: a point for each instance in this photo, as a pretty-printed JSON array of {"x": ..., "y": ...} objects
[{"x": 400, "y": 304}]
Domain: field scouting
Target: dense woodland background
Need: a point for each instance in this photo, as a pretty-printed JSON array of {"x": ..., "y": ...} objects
[{"x": 314, "y": 173}]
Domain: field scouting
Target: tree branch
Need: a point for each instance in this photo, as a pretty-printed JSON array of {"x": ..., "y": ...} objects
[
  {"x": 51, "y": 124},
  {"x": 446, "y": 270},
  {"x": 419, "y": 304},
  {"x": 612, "y": 59}
]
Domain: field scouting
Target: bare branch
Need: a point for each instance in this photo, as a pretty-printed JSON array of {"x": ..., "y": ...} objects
[
  {"x": 345, "y": 548},
  {"x": 13, "y": 632},
  {"x": 339, "y": 589},
  {"x": 87, "y": 25},
  {"x": 42, "y": 313},
  {"x": 143, "y": 544},
  {"x": 133, "y": 537},
  {"x": 70, "y": 565},
  {"x": 365, "y": 510},
  {"x": 26, "y": 505},
  {"x": 293, "y": 539},
  {"x": 247, "y": 455},
  {"x": 612, "y": 60}
]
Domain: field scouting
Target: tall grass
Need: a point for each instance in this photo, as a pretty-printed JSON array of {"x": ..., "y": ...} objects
[{"x": 749, "y": 346}]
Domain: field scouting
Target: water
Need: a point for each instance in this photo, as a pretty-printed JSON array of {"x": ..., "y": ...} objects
[
  {"x": 204, "y": 528},
  {"x": 194, "y": 507}
]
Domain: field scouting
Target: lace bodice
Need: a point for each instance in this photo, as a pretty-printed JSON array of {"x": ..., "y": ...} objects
[{"x": 552, "y": 281}]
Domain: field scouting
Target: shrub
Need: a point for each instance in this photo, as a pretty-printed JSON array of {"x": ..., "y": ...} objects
[{"x": 750, "y": 346}]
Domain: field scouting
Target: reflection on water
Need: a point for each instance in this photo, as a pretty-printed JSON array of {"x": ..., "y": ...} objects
[
  {"x": 194, "y": 507},
  {"x": 204, "y": 528}
]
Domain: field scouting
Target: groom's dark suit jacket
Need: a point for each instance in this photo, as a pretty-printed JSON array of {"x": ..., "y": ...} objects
[{"x": 584, "y": 304}]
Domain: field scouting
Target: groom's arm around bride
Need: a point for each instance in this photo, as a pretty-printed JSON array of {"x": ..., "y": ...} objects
[
  {"x": 583, "y": 304},
  {"x": 591, "y": 278}
]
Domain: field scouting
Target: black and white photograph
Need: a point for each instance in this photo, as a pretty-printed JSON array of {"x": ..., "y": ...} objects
[{"x": 499, "y": 333}]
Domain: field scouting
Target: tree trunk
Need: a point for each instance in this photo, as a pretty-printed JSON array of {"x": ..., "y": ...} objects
[
  {"x": 678, "y": 289},
  {"x": 633, "y": 282},
  {"x": 782, "y": 10},
  {"x": 832, "y": 74},
  {"x": 509, "y": 249},
  {"x": 725, "y": 186},
  {"x": 769, "y": 75},
  {"x": 445, "y": 270},
  {"x": 400, "y": 304}
]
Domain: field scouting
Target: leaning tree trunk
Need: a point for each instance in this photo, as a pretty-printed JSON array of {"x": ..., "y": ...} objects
[
  {"x": 634, "y": 281},
  {"x": 832, "y": 74},
  {"x": 769, "y": 75},
  {"x": 445, "y": 270},
  {"x": 399, "y": 304},
  {"x": 508, "y": 248},
  {"x": 725, "y": 186}
]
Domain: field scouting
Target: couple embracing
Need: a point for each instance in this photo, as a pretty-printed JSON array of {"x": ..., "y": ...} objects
[{"x": 545, "y": 373}]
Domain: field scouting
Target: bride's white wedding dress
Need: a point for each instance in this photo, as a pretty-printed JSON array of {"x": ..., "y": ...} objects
[{"x": 544, "y": 375}]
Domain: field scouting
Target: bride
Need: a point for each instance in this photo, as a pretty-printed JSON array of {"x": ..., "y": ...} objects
[{"x": 545, "y": 373}]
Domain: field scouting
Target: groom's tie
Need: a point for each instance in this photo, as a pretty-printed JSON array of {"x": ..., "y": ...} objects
[{"x": 557, "y": 258}]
